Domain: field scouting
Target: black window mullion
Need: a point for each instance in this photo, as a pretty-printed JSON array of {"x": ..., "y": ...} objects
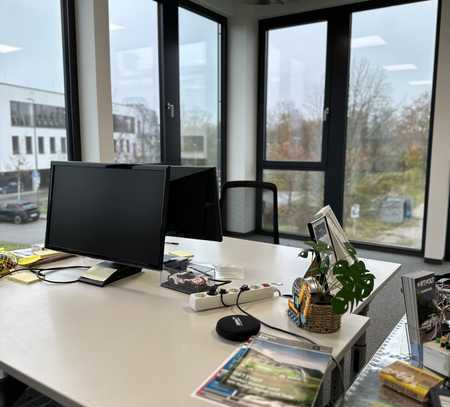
[
  {"x": 169, "y": 82},
  {"x": 72, "y": 112},
  {"x": 338, "y": 64}
]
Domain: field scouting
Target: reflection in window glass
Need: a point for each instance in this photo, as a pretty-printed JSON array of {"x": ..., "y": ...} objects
[
  {"x": 300, "y": 196},
  {"x": 295, "y": 92},
  {"x": 199, "y": 89},
  {"x": 133, "y": 27},
  {"x": 388, "y": 123},
  {"x": 32, "y": 110}
]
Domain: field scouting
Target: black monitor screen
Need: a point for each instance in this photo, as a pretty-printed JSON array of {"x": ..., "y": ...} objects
[{"x": 110, "y": 212}]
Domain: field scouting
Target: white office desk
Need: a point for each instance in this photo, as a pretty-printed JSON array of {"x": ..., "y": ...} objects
[{"x": 134, "y": 343}]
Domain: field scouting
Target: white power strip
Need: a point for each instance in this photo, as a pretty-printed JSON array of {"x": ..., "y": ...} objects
[{"x": 256, "y": 292}]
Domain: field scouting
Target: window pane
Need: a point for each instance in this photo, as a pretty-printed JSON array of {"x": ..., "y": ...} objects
[
  {"x": 133, "y": 27},
  {"x": 199, "y": 89},
  {"x": 300, "y": 196},
  {"x": 388, "y": 123},
  {"x": 32, "y": 110},
  {"x": 295, "y": 92}
]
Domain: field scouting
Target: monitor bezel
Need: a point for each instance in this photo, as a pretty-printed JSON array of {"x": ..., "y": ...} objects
[{"x": 139, "y": 167}]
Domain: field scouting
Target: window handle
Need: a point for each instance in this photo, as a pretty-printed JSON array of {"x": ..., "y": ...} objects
[
  {"x": 171, "y": 109},
  {"x": 326, "y": 112}
]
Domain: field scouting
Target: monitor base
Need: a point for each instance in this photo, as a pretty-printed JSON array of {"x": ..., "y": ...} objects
[{"x": 106, "y": 272}]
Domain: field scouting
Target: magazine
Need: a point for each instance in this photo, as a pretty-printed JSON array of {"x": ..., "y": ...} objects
[{"x": 268, "y": 371}]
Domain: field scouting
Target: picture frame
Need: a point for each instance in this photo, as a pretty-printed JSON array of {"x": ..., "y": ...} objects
[{"x": 319, "y": 231}]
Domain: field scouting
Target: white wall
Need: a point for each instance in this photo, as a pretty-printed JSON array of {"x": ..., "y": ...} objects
[{"x": 94, "y": 80}]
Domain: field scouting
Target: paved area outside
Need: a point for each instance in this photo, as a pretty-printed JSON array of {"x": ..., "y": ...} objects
[{"x": 27, "y": 233}]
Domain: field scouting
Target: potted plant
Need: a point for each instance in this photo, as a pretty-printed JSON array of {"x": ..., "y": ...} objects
[{"x": 329, "y": 289}]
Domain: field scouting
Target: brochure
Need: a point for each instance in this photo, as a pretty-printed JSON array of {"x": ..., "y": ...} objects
[{"x": 268, "y": 371}]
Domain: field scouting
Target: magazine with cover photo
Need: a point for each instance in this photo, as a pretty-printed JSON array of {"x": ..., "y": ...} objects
[{"x": 268, "y": 371}]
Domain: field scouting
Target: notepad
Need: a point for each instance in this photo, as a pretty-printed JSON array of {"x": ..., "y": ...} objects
[
  {"x": 181, "y": 253},
  {"x": 24, "y": 277},
  {"x": 98, "y": 273}
]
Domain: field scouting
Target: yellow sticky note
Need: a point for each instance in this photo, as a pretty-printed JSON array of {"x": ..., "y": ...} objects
[
  {"x": 181, "y": 253},
  {"x": 24, "y": 277},
  {"x": 45, "y": 252},
  {"x": 26, "y": 261}
]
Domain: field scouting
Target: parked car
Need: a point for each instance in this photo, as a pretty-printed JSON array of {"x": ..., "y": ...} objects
[
  {"x": 19, "y": 212},
  {"x": 10, "y": 188}
]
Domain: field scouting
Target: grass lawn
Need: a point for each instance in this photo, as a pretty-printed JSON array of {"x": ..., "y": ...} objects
[{"x": 12, "y": 246}]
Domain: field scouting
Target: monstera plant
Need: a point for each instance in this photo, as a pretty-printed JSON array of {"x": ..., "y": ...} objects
[{"x": 341, "y": 283}]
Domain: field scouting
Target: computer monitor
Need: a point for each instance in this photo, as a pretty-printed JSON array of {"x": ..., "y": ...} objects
[
  {"x": 111, "y": 212},
  {"x": 193, "y": 209}
]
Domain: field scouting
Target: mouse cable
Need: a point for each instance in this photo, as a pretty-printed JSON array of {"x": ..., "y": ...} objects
[{"x": 43, "y": 277}]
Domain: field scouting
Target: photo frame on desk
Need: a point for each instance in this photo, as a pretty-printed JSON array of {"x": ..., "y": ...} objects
[{"x": 319, "y": 231}]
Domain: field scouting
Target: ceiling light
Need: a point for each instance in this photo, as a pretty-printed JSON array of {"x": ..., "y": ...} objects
[
  {"x": 5, "y": 49},
  {"x": 419, "y": 83},
  {"x": 400, "y": 67},
  {"x": 368, "y": 41},
  {"x": 116, "y": 27}
]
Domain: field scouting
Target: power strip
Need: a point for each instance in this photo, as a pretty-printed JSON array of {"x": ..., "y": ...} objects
[{"x": 256, "y": 292}]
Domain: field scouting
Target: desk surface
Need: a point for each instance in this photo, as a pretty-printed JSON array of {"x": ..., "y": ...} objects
[{"x": 134, "y": 343}]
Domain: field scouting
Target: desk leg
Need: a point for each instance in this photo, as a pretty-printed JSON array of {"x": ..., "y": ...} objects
[
  {"x": 359, "y": 350},
  {"x": 10, "y": 390},
  {"x": 336, "y": 390}
]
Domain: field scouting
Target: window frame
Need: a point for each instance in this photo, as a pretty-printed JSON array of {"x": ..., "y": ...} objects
[
  {"x": 336, "y": 99},
  {"x": 72, "y": 108},
  {"x": 222, "y": 21}
]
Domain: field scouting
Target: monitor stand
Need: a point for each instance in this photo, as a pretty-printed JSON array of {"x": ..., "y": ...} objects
[{"x": 106, "y": 272}]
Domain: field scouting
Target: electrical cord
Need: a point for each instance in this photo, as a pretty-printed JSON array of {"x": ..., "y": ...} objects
[
  {"x": 43, "y": 277},
  {"x": 303, "y": 338},
  {"x": 7, "y": 274}
]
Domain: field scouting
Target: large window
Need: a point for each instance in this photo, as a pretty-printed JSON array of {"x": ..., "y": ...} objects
[
  {"x": 32, "y": 110},
  {"x": 347, "y": 96},
  {"x": 388, "y": 127},
  {"x": 200, "y": 88},
  {"x": 133, "y": 27},
  {"x": 294, "y": 122}
]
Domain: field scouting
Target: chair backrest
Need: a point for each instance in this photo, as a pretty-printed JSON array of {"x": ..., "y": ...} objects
[{"x": 258, "y": 186}]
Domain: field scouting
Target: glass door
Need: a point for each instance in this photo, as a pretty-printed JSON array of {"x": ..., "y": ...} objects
[{"x": 294, "y": 123}]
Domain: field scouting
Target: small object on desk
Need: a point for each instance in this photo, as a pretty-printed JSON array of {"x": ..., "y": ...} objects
[
  {"x": 174, "y": 243},
  {"x": 409, "y": 380},
  {"x": 237, "y": 328},
  {"x": 436, "y": 357},
  {"x": 8, "y": 262},
  {"x": 181, "y": 253},
  {"x": 106, "y": 272},
  {"x": 257, "y": 292},
  {"x": 24, "y": 277}
]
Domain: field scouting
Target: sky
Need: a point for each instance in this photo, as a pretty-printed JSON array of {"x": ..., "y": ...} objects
[{"x": 399, "y": 40}]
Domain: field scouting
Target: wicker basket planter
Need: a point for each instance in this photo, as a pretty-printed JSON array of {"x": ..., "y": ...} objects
[{"x": 321, "y": 319}]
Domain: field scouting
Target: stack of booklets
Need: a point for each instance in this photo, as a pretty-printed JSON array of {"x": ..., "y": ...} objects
[
  {"x": 38, "y": 255},
  {"x": 268, "y": 371},
  {"x": 419, "y": 292},
  {"x": 409, "y": 380}
]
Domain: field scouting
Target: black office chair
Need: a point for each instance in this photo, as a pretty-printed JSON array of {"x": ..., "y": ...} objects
[{"x": 258, "y": 186}]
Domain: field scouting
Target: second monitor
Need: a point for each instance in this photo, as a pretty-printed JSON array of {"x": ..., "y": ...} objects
[{"x": 193, "y": 205}]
